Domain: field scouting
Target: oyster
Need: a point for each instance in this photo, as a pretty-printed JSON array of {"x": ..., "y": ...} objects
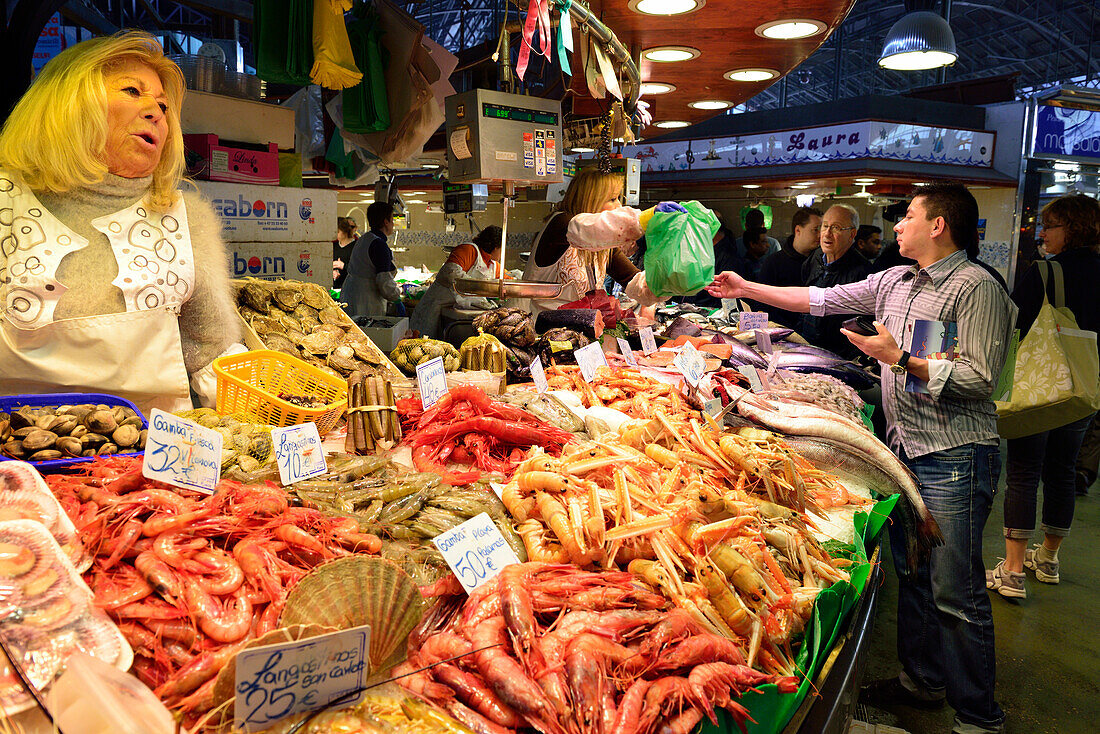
[
  {"x": 363, "y": 350},
  {"x": 264, "y": 325},
  {"x": 289, "y": 323},
  {"x": 320, "y": 342},
  {"x": 333, "y": 329},
  {"x": 304, "y": 311},
  {"x": 315, "y": 296},
  {"x": 334, "y": 315},
  {"x": 344, "y": 352},
  {"x": 295, "y": 336},
  {"x": 287, "y": 295},
  {"x": 255, "y": 295},
  {"x": 341, "y": 364},
  {"x": 280, "y": 343}
]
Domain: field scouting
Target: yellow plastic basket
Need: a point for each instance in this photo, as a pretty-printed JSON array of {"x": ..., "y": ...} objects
[{"x": 251, "y": 383}]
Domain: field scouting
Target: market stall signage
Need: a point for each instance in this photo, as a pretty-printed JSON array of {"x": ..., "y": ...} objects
[
  {"x": 1066, "y": 131},
  {"x": 276, "y": 681},
  {"x": 752, "y": 320},
  {"x": 590, "y": 358},
  {"x": 753, "y": 376},
  {"x": 649, "y": 345},
  {"x": 626, "y": 351},
  {"x": 298, "y": 452},
  {"x": 713, "y": 407},
  {"x": 475, "y": 551},
  {"x": 538, "y": 375},
  {"x": 432, "y": 380},
  {"x": 691, "y": 364},
  {"x": 182, "y": 453}
]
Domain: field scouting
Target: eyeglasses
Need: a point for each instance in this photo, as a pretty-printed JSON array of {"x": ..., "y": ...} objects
[
  {"x": 1046, "y": 227},
  {"x": 835, "y": 228}
]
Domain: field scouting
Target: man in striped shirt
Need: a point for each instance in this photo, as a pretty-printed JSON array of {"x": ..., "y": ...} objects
[{"x": 945, "y": 429}]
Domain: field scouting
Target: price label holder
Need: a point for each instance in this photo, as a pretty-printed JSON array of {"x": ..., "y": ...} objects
[
  {"x": 649, "y": 345},
  {"x": 590, "y": 358},
  {"x": 626, "y": 351},
  {"x": 729, "y": 309},
  {"x": 713, "y": 407},
  {"x": 475, "y": 551},
  {"x": 298, "y": 452},
  {"x": 752, "y": 320},
  {"x": 497, "y": 488},
  {"x": 276, "y": 681},
  {"x": 432, "y": 380},
  {"x": 753, "y": 376},
  {"x": 182, "y": 453},
  {"x": 538, "y": 375},
  {"x": 691, "y": 364},
  {"x": 763, "y": 341}
]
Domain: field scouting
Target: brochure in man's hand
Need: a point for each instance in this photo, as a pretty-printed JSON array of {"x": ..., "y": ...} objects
[{"x": 931, "y": 340}]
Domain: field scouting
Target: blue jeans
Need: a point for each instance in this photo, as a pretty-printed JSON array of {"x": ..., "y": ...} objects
[
  {"x": 945, "y": 621},
  {"x": 1052, "y": 457}
]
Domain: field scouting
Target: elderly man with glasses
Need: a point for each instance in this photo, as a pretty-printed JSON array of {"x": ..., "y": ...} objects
[{"x": 835, "y": 262}]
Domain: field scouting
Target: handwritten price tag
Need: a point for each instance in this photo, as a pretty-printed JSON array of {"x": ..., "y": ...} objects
[
  {"x": 298, "y": 452},
  {"x": 763, "y": 341},
  {"x": 751, "y": 320},
  {"x": 754, "y": 377},
  {"x": 432, "y": 379},
  {"x": 276, "y": 681},
  {"x": 691, "y": 364},
  {"x": 590, "y": 358},
  {"x": 182, "y": 453},
  {"x": 626, "y": 351},
  {"x": 538, "y": 375},
  {"x": 475, "y": 551},
  {"x": 713, "y": 407},
  {"x": 649, "y": 345}
]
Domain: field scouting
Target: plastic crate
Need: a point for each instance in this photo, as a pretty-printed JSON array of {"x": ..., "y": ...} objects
[
  {"x": 250, "y": 383},
  {"x": 11, "y": 403}
]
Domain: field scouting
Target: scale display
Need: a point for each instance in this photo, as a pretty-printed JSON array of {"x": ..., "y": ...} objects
[{"x": 502, "y": 112}]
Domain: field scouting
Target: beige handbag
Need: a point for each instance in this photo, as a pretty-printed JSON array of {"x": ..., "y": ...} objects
[{"x": 1057, "y": 377}]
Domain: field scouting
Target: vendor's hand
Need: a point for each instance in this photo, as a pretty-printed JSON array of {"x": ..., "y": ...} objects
[
  {"x": 881, "y": 346},
  {"x": 671, "y": 206},
  {"x": 727, "y": 285}
]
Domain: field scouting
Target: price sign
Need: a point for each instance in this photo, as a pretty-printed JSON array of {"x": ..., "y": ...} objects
[
  {"x": 298, "y": 452},
  {"x": 729, "y": 308},
  {"x": 713, "y": 407},
  {"x": 182, "y": 453},
  {"x": 691, "y": 364},
  {"x": 276, "y": 681},
  {"x": 475, "y": 551},
  {"x": 750, "y": 320},
  {"x": 649, "y": 345},
  {"x": 432, "y": 379},
  {"x": 538, "y": 375},
  {"x": 497, "y": 488},
  {"x": 754, "y": 377},
  {"x": 626, "y": 351},
  {"x": 763, "y": 340},
  {"x": 590, "y": 358}
]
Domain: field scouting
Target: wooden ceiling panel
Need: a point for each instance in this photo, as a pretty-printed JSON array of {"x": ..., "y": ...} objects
[{"x": 724, "y": 32}]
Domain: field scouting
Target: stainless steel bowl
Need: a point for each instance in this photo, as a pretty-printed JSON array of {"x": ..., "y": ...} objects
[{"x": 507, "y": 288}]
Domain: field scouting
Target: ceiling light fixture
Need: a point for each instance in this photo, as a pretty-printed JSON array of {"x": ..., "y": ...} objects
[
  {"x": 416, "y": 201},
  {"x": 864, "y": 180},
  {"x": 671, "y": 53},
  {"x": 582, "y": 149},
  {"x": 669, "y": 124},
  {"x": 751, "y": 75},
  {"x": 806, "y": 183},
  {"x": 800, "y": 186},
  {"x": 711, "y": 104},
  {"x": 750, "y": 186},
  {"x": 791, "y": 29},
  {"x": 429, "y": 165},
  {"x": 665, "y": 7},
  {"x": 920, "y": 40},
  {"x": 650, "y": 88}
]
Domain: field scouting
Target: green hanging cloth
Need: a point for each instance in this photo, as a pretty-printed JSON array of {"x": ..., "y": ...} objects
[
  {"x": 366, "y": 106},
  {"x": 284, "y": 40}
]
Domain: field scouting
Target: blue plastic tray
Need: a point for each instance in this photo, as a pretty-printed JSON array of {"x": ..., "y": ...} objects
[{"x": 11, "y": 403}]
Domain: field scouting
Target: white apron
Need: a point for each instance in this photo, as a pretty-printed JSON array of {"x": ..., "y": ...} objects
[
  {"x": 575, "y": 277},
  {"x": 426, "y": 315},
  {"x": 136, "y": 354}
]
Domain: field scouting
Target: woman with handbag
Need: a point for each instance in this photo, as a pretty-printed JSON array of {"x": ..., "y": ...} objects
[{"x": 1070, "y": 238}]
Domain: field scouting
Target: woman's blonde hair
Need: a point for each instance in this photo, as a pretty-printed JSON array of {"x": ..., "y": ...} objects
[
  {"x": 56, "y": 135},
  {"x": 588, "y": 192}
]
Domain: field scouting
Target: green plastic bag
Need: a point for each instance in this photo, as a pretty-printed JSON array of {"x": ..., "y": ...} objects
[{"x": 679, "y": 256}]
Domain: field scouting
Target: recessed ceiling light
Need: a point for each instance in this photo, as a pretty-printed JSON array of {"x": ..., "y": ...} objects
[
  {"x": 806, "y": 183},
  {"x": 800, "y": 186},
  {"x": 711, "y": 104},
  {"x": 649, "y": 88},
  {"x": 751, "y": 75},
  {"x": 789, "y": 30},
  {"x": 671, "y": 53},
  {"x": 671, "y": 123},
  {"x": 583, "y": 149},
  {"x": 864, "y": 180},
  {"x": 429, "y": 165},
  {"x": 750, "y": 186},
  {"x": 665, "y": 7},
  {"x": 416, "y": 201}
]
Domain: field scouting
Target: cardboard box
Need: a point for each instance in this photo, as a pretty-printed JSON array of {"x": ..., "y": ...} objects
[
  {"x": 272, "y": 213},
  {"x": 386, "y": 337},
  {"x": 308, "y": 261},
  {"x": 234, "y": 118},
  {"x": 209, "y": 159}
]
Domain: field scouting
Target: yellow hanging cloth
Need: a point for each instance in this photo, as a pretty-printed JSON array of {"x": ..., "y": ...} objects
[{"x": 333, "y": 63}]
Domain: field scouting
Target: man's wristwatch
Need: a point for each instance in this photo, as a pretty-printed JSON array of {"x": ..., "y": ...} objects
[{"x": 898, "y": 368}]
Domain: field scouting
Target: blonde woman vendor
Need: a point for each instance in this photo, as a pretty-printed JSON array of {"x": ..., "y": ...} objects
[
  {"x": 476, "y": 259},
  {"x": 111, "y": 279},
  {"x": 588, "y": 236}
]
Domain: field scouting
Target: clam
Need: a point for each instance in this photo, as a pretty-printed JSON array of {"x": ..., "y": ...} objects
[
  {"x": 93, "y": 440},
  {"x": 44, "y": 455},
  {"x": 248, "y": 464},
  {"x": 22, "y": 433},
  {"x": 320, "y": 342},
  {"x": 126, "y": 436},
  {"x": 64, "y": 425},
  {"x": 69, "y": 445},
  {"x": 21, "y": 419},
  {"x": 14, "y": 449},
  {"x": 5, "y": 429},
  {"x": 287, "y": 296},
  {"x": 101, "y": 421},
  {"x": 107, "y": 449},
  {"x": 38, "y": 440}
]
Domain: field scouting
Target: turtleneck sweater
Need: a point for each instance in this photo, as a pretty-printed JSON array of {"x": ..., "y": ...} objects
[{"x": 208, "y": 323}]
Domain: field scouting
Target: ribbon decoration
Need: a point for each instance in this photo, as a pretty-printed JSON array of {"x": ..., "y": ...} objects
[
  {"x": 538, "y": 13},
  {"x": 565, "y": 36}
]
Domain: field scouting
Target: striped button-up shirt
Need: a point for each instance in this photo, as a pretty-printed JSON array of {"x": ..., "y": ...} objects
[{"x": 957, "y": 410}]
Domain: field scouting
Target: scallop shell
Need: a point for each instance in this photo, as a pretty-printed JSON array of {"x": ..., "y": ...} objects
[
  {"x": 354, "y": 591},
  {"x": 95, "y": 635},
  {"x": 29, "y": 504},
  {"x": 224, "y": 685}
]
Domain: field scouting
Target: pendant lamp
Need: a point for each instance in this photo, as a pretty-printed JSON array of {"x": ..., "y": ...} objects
[{"x": 922, "y": 39}]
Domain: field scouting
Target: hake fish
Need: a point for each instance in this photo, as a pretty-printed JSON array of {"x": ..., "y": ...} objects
[{"x": 844, "y": 436}]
